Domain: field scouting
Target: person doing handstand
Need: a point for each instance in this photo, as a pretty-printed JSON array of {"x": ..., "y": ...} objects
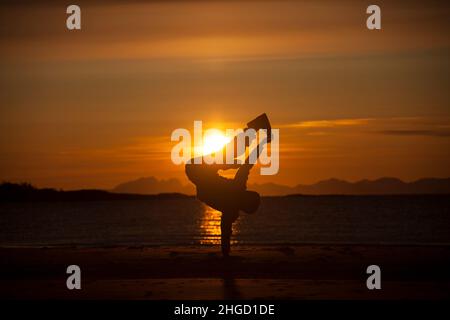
[{"x": 228, "y": 196}]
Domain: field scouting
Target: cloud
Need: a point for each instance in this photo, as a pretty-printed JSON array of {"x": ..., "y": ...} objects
[
  {"x": 231, "y": 30},
  {"x": 429, "y": 133},
  {"x": 391, "y": 126},
  {"x": 329, "y": 123}
]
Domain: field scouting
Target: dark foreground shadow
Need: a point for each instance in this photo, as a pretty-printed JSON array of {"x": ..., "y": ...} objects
[{"x": 230, "y": 287}]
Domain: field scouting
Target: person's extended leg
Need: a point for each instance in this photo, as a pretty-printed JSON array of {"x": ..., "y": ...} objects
[
  {"x": 226, "y": 224},
  {"x": 241, "y": 177},
  {"x": 243, "y": 172}
]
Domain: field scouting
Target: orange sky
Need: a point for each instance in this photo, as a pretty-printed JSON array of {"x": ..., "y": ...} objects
[{"x": 96, "y": 107}]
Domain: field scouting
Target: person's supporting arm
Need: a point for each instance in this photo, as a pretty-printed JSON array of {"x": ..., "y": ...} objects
[{"x": 226, "y": 229}]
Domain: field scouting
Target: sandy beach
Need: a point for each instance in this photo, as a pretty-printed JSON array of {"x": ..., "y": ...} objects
[{"x": 254, "y": 272}]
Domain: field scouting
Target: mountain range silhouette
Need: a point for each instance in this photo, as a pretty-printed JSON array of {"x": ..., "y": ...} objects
[{"x": 387, "y": 185}]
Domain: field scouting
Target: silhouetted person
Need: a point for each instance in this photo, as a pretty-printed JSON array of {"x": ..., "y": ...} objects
[{"x": 228, "y": 196}]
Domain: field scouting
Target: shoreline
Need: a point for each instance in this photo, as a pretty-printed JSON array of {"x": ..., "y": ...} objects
[
  {"x": 237, "y": 245},
  {"x": 253, "y": 272}
]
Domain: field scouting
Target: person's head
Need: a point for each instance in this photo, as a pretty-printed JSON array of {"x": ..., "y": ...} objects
[{"x": 250, "y": 201}]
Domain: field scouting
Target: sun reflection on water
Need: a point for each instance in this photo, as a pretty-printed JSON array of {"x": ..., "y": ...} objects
[{"x": 210, "y": 227}]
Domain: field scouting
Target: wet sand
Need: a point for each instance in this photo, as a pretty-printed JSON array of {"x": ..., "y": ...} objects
[{"x": 254, "y": 272}]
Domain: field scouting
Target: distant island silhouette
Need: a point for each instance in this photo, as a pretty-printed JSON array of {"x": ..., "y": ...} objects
[
  {"x": 24, "y": 192},
  {"x": 152, "y": 185},
  {"x": 380, "y": 186}
]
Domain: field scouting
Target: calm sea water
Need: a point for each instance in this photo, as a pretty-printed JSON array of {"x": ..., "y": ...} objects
[{"x": 280, "y": 220}]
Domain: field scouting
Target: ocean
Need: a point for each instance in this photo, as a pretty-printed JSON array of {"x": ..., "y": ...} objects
[{"x": 417, "y": 219}]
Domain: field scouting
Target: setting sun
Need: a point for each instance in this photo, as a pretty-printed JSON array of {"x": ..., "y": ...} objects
[{"x": 214, "y": 141}]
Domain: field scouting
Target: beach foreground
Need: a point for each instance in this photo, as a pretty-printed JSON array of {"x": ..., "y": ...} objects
[{"x": 254, "y": 272}]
